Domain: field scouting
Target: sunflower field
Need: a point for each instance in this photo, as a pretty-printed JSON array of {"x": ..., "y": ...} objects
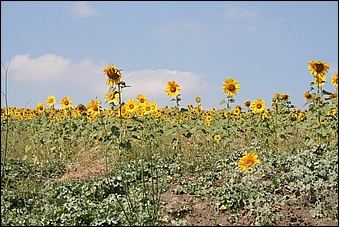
[{"x": 85, "y": 165}]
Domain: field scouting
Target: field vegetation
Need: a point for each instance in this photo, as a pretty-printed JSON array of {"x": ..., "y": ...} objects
[{"x": 136, "y": 163}]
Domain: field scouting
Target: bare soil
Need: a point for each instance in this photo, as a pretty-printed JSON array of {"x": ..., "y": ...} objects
[
  {"x": 193, "y": 211},
  {"x": 190, "y": 210}
]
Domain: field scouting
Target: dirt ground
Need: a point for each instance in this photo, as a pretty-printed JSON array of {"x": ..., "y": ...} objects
[{"x": 189, "y": 210}]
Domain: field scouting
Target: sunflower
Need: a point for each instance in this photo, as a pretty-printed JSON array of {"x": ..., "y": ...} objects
[
  {"x": 248, "y": 161},
  {"x": 230, "y": 86},
  {"x": 308, "y": 95},
  {"x": 284, "y": 97},
  {"x": 334, "y": 80},
  {"x": 198, "y": 99},
  {"x": 113, "y": 74},
  {"x": 93, "y": 106},
  {"x": 40, "y": 107},
  {"x": 172, "y": 88},
  {"x": 66, "y": 102},
  {"x": 247, "y": 104},
  {"x": 258, "y": 106},
  {"x": 320, "y": 80},
  {"x": 141, "y": 99},
  {"x": 131, "y": 105},
  {"x": 147, "y": 108},
  {"x": 81, "y": 108},
  {"x": 217, "y": 137},
  {"x": 112, "y": 97},
  {"x": 318, "y": 68},
  {"x": 50, "y": 101}
]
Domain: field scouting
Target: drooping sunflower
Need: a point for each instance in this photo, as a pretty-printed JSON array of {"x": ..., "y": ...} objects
[
  {"x": 66, "y": 102},
  {"x": 81, "y": 108},
  {"x": 113, "y": 73},
  {"x": 172, "y": 88},
  {"x": 318, "y": 68},
  {"x": 93, "y": 107},
  {"x": 50, "y": 101},
  {"x": 248, "y": 161},
  {"x": 334, "y": 80},
  {"x": 258, "y": 106},
  {"x": 230, "y": 86},
  {"x": 308, "y": 95},
  {"x": 40, "y": 107}
]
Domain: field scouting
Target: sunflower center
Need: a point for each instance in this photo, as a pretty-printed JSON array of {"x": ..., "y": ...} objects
[
  {"x": 249, "y": 162},
  {"x": 230, "y": 87},
  {"x": 66, "y": 103},
  {"x": 131, "y": 106},
  {"x": 258, "y": 106},
  {"x": 319, "y": 67},
  {"x": 173, "y": 89},
  {"x": 113, "y": 75}
]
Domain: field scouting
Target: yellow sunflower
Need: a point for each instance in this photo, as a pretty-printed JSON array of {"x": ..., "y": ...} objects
[
  {"x": 40, "y": 107},
  {"x": 112, "y": 97},
  {"x": 320, "y": 80},
  {"x": 131, "y": 105},
  {"x": 308, "y": 95},
  {"x": 66, "y": 102},
  {"x": 334, "y": 80},
  {"x": 94, "y": 107},
  {"x": 318, "y": 68},
  {"x": 247, "y": 104},
  {"x": 217, "y": 137},
  {"x": 172, "y": 88},
  {"x": 248, "y": 161},
  {"x": 141, "y": 99},
  {"x": 258, "y": 106},
  {"x": 50, "y": 101},
  {"x": 113, "y": 74},
  {"x": 230, "y": 86}
]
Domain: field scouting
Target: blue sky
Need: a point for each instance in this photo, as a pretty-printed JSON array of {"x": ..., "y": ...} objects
[{"x": 61, "y": 48}]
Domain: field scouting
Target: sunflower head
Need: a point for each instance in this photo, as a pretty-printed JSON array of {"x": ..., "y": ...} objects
[
  {"x": 308, "y": 95},
  {"x": 94, "y": 107},
  {"x": 230, "y": 86},
  {"x": 217, "y": 137},
  {"x": 142, "y": 99},
  {"x": 318, "y": 68},
  {"x": 258, "y": 106},
  {"x": 334, "y": 80},
  {"x": 320, "y": 80},
  {"x": 248, "y": 161},
  {"x": 247, "y": 104},
  {"x": 40, "y": 107},
  {"x": 172, "y": 88},
  {"x": 50, "y": 101},
  {"x": 113, "y": 73},
  {"x": 66, "y": 102}
]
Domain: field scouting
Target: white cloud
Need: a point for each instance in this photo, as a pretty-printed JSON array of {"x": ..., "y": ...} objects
[
  {"x": 153, "y": 83},
  {"x": 48, "y": 67},
  {"x": 236, "y": 12},
  {"x": 82, "y": 9},
  {"x": 86, "y": 77}
]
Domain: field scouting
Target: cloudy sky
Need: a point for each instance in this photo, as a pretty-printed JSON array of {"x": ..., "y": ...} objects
[{"x": 61, "y": 48}]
